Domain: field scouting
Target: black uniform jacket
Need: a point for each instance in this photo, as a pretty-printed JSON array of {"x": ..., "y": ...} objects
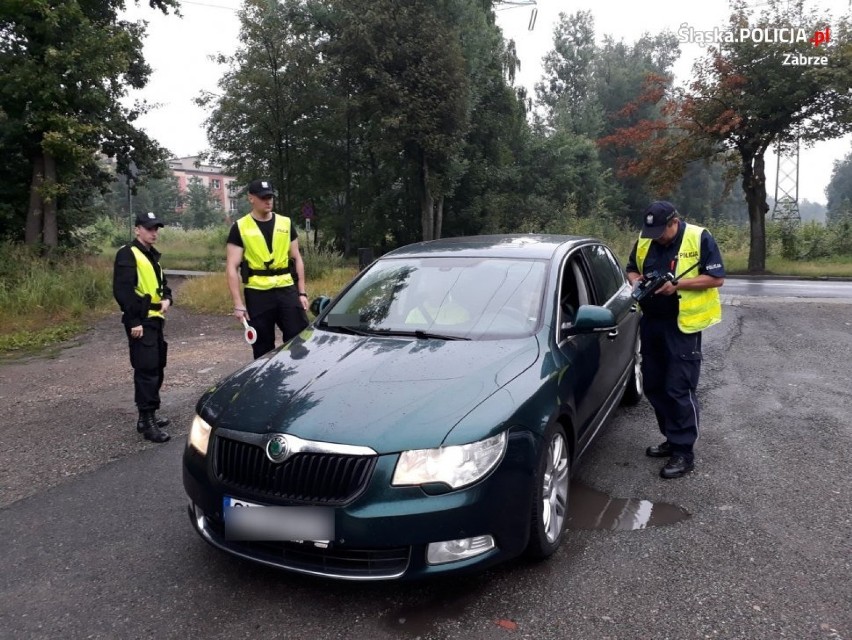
[{"x": 124, "y": 279}]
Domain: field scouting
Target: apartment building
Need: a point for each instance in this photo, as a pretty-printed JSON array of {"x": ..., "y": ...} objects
[{"x": 225, "y": 187}]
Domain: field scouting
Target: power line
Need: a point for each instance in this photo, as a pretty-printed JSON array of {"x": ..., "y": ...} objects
[{"x": 208, "y": 5}]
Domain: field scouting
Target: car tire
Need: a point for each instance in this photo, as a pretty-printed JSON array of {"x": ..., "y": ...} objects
[
  {"x": 550, "y": 495},
  {"x": 635, "y": 384}
]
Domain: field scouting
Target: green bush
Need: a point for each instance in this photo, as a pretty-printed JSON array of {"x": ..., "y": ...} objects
[{"x": 320, "y": 260}]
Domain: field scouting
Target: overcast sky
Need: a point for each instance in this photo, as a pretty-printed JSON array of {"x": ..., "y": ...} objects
[{"x": 178, "y": 50}]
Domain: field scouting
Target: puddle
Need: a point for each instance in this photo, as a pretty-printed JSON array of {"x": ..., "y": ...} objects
[{"x": 592, "y": 509}]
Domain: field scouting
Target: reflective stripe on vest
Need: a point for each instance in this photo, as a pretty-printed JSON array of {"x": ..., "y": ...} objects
[
  {"x": 147, "y": 283},
  {"x": 256, "y": 251},
  {"x": 697, "y": 309}
]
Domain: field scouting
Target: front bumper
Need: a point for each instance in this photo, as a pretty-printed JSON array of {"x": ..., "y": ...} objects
[{"x": 384, "y": 533}]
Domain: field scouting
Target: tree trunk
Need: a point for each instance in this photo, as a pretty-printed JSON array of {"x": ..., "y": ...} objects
[
  {"x": 35, "y": 212},
  {"x": 754, "y": 186},
  {"x": 427, "y": 212},
  {"x": 439, "y": 217},
  {"x": 51, "y": 228}
]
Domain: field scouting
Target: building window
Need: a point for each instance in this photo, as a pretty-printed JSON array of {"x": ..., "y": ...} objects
[
  {"x": 215, "y": 182},
  {"x": 232, "y": 205}
]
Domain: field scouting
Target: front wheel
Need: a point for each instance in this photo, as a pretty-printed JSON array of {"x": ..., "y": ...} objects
[
  {"x": 635, "y": 384},
  {"x": 550, "y": 497}
]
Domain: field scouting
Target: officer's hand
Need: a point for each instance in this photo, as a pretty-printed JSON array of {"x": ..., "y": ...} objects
[
  {"x": 241, "y": 314},
  {"x": 666, "y": 290},
  {"x": 165, "y": 304},
  {"x": 136, "y": 332}
]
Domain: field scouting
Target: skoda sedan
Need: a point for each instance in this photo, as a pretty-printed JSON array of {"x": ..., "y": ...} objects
[{"x": 428, "y": 420}]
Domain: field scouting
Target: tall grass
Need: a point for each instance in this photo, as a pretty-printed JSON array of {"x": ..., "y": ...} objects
[{"x": 45, "y": 300}]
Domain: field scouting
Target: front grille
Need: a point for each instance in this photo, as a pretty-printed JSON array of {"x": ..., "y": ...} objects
[
  {"x": 333, "y": 561},
  {"x": 306, "y": 478}
]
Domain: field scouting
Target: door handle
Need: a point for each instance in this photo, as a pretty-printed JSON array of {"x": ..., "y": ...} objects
[
  {"x": 634, "y": 308},
  {"x": 612, "y": 334}
]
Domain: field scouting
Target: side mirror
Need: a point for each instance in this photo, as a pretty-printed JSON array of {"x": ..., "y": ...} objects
[
  {"x": 319, "y": 304},
  {"x": 590, "y": 319}
]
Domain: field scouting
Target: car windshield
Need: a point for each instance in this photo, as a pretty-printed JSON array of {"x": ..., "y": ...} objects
[{"x": 451, "y": 298}]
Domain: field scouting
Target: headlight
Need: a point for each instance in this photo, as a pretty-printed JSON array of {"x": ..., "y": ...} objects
[
  {"x": 199, "y": 435},
  {"x": 456, "y": 466}
]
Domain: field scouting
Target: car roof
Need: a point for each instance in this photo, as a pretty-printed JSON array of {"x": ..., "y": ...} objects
[{"x": 494, "y": 246}]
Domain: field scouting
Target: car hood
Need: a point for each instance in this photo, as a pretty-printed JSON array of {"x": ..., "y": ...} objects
[{"x": 382, "y": 392}]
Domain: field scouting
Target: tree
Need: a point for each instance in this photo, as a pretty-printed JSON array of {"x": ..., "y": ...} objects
[
  {"x": 159, "y": 195},
  {"x": 567, "y": 91},
  {"x": 406, "y": 62},
  {"x": 264, "y": 121},
  {"x": 622, "y": 73},
  {"x": 839, "y": 190},
  {"x": 203, "y": 208},
  {"x": 64, "y": 67},
  {"x": 746, "y": 96}
]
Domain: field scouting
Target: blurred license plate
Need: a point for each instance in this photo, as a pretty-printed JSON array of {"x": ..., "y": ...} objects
[{"x": 251, "y": 521}]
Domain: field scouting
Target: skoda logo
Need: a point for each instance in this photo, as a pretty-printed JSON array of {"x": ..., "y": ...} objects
[{"x": 277, "y": 449}]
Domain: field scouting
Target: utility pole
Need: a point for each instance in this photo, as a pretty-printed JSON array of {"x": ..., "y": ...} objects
[
  {"x": 513, "y": 4},
  {"x": 132, "y": 175},
  {"x": 786, "y": 209}
]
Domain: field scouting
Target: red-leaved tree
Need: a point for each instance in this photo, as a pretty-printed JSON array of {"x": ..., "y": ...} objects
[{"x": 746, "y": 95}]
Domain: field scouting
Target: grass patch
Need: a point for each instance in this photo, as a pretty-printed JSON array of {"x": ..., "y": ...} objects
[
  {"x": 20, "y": 342},
  {"x": 836, "y": 267},
  {"x": 44, "y": 301}
]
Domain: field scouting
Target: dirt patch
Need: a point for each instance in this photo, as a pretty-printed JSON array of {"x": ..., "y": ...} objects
[{"x": 71, "y": 411}]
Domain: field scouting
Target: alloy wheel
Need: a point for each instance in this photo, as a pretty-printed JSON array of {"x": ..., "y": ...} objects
[{"x": 555, "y": 488}]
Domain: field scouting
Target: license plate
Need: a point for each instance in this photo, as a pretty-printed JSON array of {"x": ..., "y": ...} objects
[{"x": 246, "y": 520}]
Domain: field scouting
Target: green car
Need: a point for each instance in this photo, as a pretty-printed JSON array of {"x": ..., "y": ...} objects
[{"x": 428, "y": 420}]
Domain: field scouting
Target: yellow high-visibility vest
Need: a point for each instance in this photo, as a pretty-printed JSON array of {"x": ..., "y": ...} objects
[
  {"x": 147, "y": 282},
  {"x": 256, "y": 252},
  {"x": 697, "y": 309}
]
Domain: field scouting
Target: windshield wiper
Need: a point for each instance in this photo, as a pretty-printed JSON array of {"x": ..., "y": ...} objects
[
  {"x": 423, "y": 335},
  {"x": 345, "y": 329}
]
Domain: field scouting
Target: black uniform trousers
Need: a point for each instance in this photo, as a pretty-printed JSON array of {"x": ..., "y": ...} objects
[
  {"x": 148, "y": 356},
  {"x": 671, "y": 364},
  {"x": 269, "y": 308}
]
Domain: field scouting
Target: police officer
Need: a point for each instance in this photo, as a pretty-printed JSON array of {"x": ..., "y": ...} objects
[
  {"x": 671, "y": 325},
  {"x": 263, "y": 252},
  {"x": 140, "y": 288}
]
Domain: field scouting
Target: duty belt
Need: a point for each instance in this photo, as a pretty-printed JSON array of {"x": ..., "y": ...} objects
[
  {"x": 155, "y": 306},
  {"x": 268, "y": 272}
]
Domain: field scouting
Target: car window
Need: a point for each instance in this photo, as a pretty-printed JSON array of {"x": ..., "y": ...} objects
[
  {"x": 606, "y": 274},
  {"x": 474, "y": 298},
  {"x": 573, "y": 290}
]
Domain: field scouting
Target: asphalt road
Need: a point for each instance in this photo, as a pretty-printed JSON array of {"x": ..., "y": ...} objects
[
  {"x": 782, "y": 287},
  {"x": 765, "y": 552}
]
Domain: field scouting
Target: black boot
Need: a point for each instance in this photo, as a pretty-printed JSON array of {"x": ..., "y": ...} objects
[
  {"x": 147, "y": 426},
  {"x": 161, "y": 422}
]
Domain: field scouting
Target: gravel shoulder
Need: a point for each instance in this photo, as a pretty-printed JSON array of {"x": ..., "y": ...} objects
[{"x": 71, "y": 411}]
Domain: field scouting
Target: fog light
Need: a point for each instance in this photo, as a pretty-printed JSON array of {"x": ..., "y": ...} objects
[{"x": 452, "y": 550}]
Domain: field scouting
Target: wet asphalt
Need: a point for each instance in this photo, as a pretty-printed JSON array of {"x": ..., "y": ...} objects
[{"x": 756, "y": 543}]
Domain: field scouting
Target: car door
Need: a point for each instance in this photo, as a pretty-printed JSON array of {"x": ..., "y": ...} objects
[
  {"x": 580, "y": 370},
  {"x": 611, "y": 290}
]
